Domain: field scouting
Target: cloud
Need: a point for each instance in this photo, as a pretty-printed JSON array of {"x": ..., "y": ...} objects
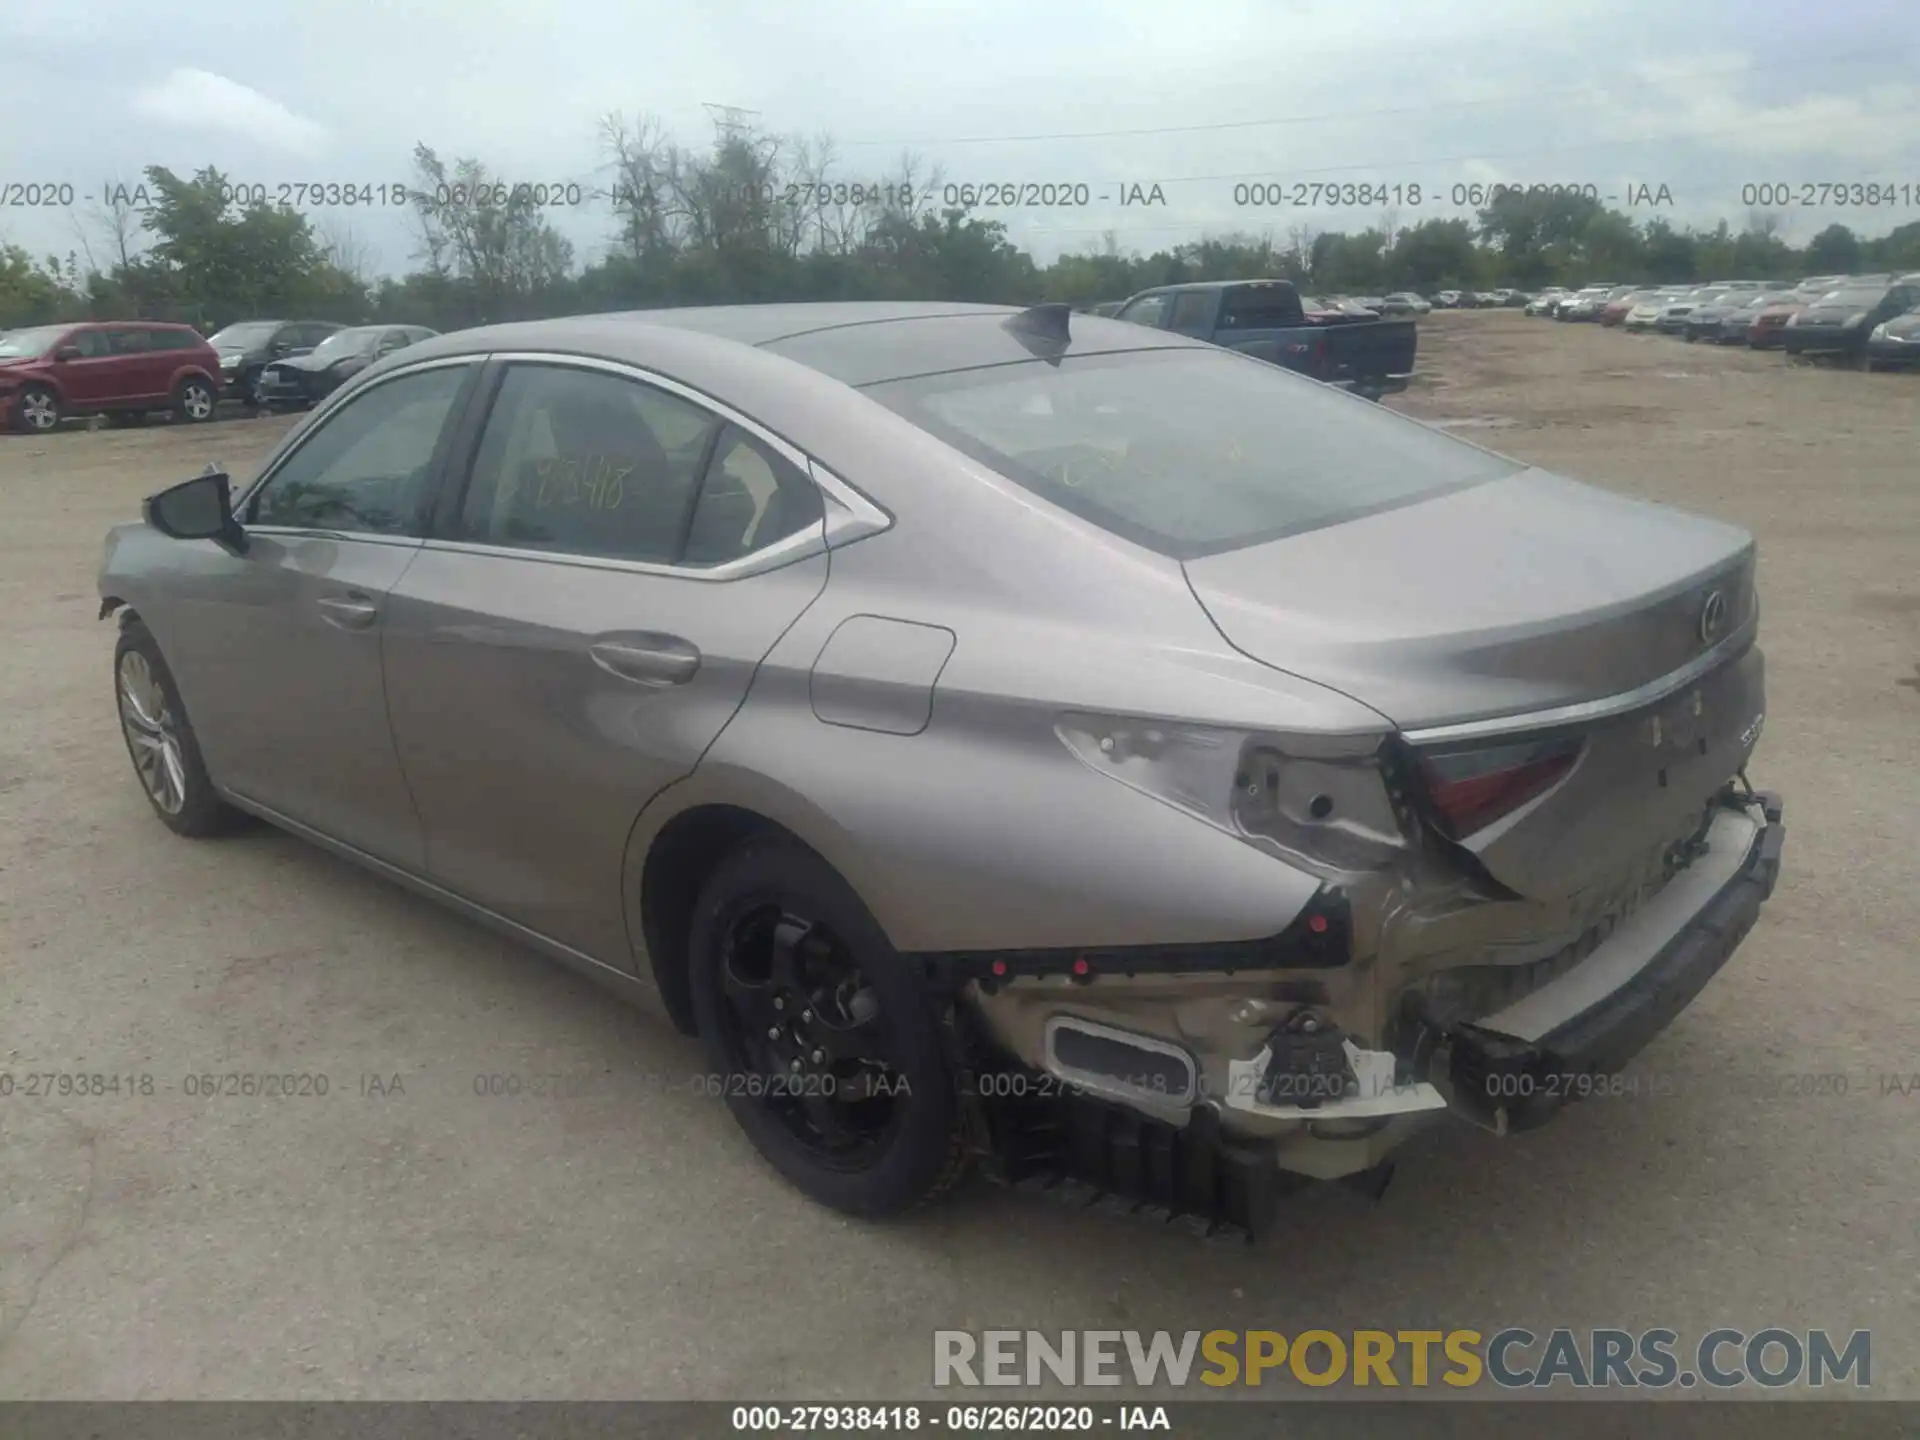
[{"x": 199, "y": 99}]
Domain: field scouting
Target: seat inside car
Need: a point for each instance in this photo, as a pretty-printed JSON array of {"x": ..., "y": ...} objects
[{"x": 604, "y": 485}]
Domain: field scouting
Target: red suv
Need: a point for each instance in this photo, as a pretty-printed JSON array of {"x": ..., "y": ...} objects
[{"x": 121, "y": 369}]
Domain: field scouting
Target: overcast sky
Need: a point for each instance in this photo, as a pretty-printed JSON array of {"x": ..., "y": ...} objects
[{"x": 1701, "y": 96}]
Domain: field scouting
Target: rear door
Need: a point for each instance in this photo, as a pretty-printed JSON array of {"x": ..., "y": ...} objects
[
  {"x": 140, "y": 369},
  {"x": 584, "y": 620},
  {"x": 1192, "y": 313}
]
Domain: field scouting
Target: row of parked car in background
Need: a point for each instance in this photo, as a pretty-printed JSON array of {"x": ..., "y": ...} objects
[
  {"x": 126, "y": 370},
  {"x": 1872, "y": 320}
]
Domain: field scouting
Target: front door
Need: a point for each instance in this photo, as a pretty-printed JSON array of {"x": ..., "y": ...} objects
[
  {"x": 581, "y": 631},
  {"x": 283, "y": 658},
  {"x": 95, "y": 377}
]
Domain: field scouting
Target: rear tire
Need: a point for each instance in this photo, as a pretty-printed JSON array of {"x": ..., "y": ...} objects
[
  {"x": 160, "y": 740},
  {"x": 36, "y": 411},
  {"x": 777, "y": 931},
  {"x": 194, "y": 401}
]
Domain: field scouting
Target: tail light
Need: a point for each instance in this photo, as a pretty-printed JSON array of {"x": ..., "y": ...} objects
[{"x": 1470, "y": 789}]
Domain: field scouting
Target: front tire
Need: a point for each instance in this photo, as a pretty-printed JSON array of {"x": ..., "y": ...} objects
[
  {"x": 193, "y": 401},
  {"x": 827, "y": 1045},
  {"x": 160, "y": 741},
  {"x": 36, "y": 410}
]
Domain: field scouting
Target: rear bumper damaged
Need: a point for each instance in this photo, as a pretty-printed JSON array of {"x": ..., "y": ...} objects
[
  {"x": 1509, "y": 1070},
  {"x": 1183, "y": 1080}
]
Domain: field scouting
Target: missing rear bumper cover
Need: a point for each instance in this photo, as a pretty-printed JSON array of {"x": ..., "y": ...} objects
[{"x": 1509, "y": 1082}]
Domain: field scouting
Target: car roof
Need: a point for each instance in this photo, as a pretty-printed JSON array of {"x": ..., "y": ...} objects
[
  {"x": 122, "y": 324},
  {"x": 1188, "y": 285},
  {"x": 855, "y": 342}
]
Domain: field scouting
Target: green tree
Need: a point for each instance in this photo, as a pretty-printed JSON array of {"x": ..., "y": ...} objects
[
  {"x": 215, "y": 260},
  {"x": 1435, "y": 255},
  {"x": 32, "y": 293},
  {"x": 1834, "y": 251}
]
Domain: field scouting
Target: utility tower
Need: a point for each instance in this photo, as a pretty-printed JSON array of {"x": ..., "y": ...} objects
[{"x": 729, "y": 120}]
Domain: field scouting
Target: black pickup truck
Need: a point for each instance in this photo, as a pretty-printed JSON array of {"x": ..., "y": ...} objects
[{"x": 1265, "y": 319}]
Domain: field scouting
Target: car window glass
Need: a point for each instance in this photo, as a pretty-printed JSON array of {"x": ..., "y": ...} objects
[
  {"x": 1261, "y": 307},
  {"x": 585, "y": 463},
  {"x": 1192, "y": 312},
  {"x": 750, "y": 498},
  {"x": 366, "y": 469},
  {"x": 131, "y": 340},
  {"x": 1148, "y": 310},
  {"x": 391, "y": 341},
  {"x": 1187, "y": 451},
  {"x": 92, "y": 344}
]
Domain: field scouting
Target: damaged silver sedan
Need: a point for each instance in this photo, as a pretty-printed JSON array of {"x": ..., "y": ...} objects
[{"x": 999, "y": 735}]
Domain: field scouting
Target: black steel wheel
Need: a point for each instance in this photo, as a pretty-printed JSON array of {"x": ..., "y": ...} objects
[{"x": 826, "y": 1046}]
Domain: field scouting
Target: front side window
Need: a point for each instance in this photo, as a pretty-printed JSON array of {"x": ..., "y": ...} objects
[
  {"x": 366, "y": 470},
  {"x": 1147, "y": 310},
  {"x": 92, "y": 344},
  {"x": 1188, "y": 452}
]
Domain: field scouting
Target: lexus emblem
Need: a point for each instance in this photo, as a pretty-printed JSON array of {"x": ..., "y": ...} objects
[{"x": 1713, "y": 616}]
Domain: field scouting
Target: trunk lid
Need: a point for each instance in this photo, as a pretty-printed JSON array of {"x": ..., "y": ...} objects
[{"x": 1525, "y": 607}]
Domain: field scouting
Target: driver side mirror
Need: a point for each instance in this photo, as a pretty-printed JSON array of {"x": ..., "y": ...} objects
[
  {"x": 69, "y": 352},
  {"x": 197, "y": 509}
]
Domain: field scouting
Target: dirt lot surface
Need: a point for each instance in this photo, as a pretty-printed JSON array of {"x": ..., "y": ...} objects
[{"x": 416, "y": 1239}]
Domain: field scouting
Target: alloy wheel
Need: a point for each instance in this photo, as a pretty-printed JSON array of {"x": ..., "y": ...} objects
[
  {"x": 196, "y": 400},
  {"x": 39, "y": 410},
  {"x": 151, "y": 734},
  {"x": 809, "y": 1037}
]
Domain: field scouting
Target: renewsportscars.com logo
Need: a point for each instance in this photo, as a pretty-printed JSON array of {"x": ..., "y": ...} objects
[{"x": 1513, "y": 1358}]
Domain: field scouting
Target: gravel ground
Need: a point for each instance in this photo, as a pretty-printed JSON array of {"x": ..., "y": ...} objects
[{"x": 405, "y": 1237}]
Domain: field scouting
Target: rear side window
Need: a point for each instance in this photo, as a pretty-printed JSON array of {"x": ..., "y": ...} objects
[
  {"x": 586, "y": 463},
  {"x": 581, "y": 462},
  {"x": 1259, "y": 307},
  {"x": 1189, "y": 452},
  {"x": 1192, "y": 313},
  {"x": 750, "y": 498}
]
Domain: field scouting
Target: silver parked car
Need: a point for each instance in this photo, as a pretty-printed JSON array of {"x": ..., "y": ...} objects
[{"x": 997, "y": 734}]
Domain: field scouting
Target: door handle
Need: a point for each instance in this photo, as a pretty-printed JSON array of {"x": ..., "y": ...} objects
[
  {"x": 353, "y": 611},
  {"x": 659, "y": 660}
]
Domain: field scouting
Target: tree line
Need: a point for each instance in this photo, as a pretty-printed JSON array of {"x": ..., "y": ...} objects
[{"x": 751, "y": 218}]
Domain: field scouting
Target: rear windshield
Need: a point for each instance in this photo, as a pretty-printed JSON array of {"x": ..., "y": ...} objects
[{"x": 1189, "y": 452}]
